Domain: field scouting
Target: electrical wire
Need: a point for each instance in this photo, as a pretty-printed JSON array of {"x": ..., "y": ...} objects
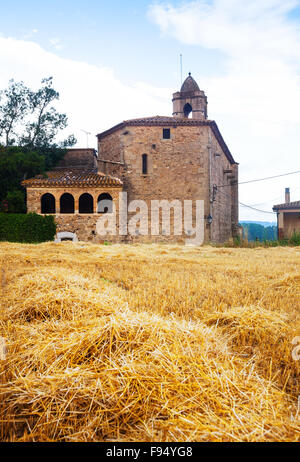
[
  {"x": 272, "y": 200},
  {"x": 257, "y": 210},
  {"x": 260, "y": 179},
  {"x": 244, "y": 205}
]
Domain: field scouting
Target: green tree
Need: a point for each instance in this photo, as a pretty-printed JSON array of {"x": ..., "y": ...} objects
[
  {"x": 13, "y": 109},
  {"x": 16, "y": 201},
  {"x": 15, "y": 166},
  {"x": 255, "y": 231},
  {"x": 28, "y": 118}
]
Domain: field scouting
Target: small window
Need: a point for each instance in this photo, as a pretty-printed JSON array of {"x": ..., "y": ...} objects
[
  {"x": 166, "y": 133},
  {"x": 144, "y": 164}
]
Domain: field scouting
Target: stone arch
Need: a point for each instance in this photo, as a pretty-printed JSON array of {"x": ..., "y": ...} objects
[
  {"x": 187, "y": 110},
  {"x": 105, "y": 203},
  {"x": 66, "y": 236},
  {"x": 67, "y": 204},
  {"x": 47, "y": 203},
  {"x": 86, "y": 203}
]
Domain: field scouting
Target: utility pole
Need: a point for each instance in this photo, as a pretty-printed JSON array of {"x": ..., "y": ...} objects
[
  {"x": 181, "y": 68},
  {"x": 87, "y": 137}
]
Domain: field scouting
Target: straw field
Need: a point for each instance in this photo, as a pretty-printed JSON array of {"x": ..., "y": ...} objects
[{"x": 149, "y": 343}]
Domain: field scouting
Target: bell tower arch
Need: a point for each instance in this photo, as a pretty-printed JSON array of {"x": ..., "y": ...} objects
[{"x": 190, "y": 101}]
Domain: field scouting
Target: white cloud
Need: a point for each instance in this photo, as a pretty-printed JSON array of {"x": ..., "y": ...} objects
[
  {"x": 257, "y": 101},
  {"x": 55, "y": 42},
  {"x": 29, "y": 34},
  {"x": 93, "y": 97}
]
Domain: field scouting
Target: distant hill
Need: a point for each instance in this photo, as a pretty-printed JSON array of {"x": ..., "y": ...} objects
[
  {"x": 262, "y": 223},
  {"x": 259, "y": 230}
]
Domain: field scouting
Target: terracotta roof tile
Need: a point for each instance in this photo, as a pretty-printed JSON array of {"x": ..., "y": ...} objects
[
  {"x": 161, "y": 121},
  {"x": 73, "y": 177},
  {"x": 189, "y": 85},
  {"x": 287, "y": 205}
]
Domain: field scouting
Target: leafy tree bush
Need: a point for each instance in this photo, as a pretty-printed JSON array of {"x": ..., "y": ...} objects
[
  {"x": 17, "y": 164},
  {"x": 28, "y": 118},
  {"x": 16, "y": 202},
  {"x": 26, "y": 228},
  {"x": 244, "y": 243},
  {"x": 295, "y": 239}
]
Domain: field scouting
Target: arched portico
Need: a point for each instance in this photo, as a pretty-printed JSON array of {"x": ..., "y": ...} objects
[{"x": 48, "y": 203}]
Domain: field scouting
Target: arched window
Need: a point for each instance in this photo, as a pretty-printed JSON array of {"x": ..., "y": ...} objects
[
  {"x": 105, "y": 203},
  {"x": 144, "y": 164},
  {"x": 67, "y": 203},
  {"x": 86, "y": 203},
  {"x": 47, "y": 203},
  {"x": 187, "y": 109}
]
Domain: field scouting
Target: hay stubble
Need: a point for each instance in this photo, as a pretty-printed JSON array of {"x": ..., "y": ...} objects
[{"x": 148, "y": 343}]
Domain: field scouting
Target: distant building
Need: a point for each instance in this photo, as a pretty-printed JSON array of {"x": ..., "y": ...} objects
[
  {"x": 183, "y": 157},
  {"x": 288, "y": 217}
]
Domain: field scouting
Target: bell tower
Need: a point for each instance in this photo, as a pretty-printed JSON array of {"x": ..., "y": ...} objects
[{"x": 190, "y": 100}]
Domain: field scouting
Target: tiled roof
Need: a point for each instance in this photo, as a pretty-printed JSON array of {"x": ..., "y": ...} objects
[
  {"x": 287, "y": 205},
  {"x": 189, "y": 85},
  {"x": 161, "y": 121},
  {"x": 73, "y": 177}
]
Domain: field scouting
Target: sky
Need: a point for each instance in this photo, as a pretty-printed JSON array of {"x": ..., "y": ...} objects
[{"x": 117, "y": 60}]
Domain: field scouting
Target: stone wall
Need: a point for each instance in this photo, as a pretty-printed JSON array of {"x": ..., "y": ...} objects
[
  {"x": 83, "y": 225},
  {"x": 197, "y": 101},
  {"x": 182, "y": 167},
  {"x": 191, "y": 165},
  {"x": 34, "y": 196},
  {"x": 85, "y": 158},
  {"x": 224, "y": 199}
]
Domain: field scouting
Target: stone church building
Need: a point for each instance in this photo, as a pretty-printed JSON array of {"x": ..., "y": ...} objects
[{"x": 183, "y": 157}]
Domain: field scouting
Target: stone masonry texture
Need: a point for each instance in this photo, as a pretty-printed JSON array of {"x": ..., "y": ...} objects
[
  {"x": 187, "y": 166},
  {"x": 194, "y": 164}
]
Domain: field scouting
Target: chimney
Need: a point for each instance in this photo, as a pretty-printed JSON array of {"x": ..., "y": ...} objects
[{"x": 287, "y": 196}]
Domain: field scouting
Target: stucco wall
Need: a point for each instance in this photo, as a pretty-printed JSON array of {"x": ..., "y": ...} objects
[{"x": 290, "y": 224}]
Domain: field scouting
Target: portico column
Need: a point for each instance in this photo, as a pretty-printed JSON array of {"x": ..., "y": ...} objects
[
  {"x": 280, "y": 222},
  {"x": 76, "y": 203},
  {"x": 57, "y": 195},
  {"x": 95, "y": 201}
]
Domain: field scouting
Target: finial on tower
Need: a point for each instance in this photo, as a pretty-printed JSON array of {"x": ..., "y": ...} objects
[{"x": 189, "y": 85}]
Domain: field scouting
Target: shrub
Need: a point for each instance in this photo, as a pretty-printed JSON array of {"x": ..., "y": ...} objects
[
  {"x": 295, "y": 239},
  {"x": 30, "y": 228}
]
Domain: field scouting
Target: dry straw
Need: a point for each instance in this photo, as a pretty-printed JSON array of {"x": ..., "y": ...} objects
[{"x": 148, "y": 343}]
